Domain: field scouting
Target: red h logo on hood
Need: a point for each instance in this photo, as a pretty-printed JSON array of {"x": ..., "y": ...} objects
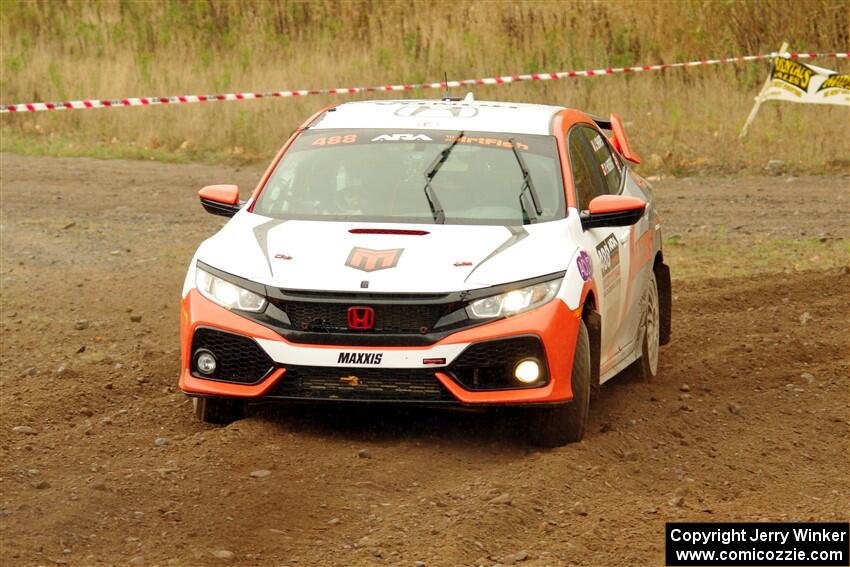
[{"x": 361, "y": 318}]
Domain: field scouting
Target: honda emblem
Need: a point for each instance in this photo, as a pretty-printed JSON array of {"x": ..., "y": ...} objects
[{"x": 361, "y": 318}]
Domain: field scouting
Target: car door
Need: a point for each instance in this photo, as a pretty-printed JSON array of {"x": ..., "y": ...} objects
[{"x": 597, "y": 171}]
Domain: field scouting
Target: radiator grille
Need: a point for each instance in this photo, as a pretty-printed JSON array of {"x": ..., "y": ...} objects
[
  {"x": 401, "y": 384},
  {"x": 394, "y": 318}
]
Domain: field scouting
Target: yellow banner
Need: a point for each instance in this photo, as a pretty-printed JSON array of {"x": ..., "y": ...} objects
[{"x": 797, "y": 82}]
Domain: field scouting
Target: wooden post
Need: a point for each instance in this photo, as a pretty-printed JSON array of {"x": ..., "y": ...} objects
[{"x": 759, "y": 99}]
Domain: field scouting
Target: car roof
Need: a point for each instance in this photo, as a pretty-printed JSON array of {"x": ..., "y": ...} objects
[{"x": 414, "y": 114}]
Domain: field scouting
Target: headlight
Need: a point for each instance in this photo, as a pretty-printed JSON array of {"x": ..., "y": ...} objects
[
  {"x": 226, "y": 294},
  {"x": 515, "y": 301}
]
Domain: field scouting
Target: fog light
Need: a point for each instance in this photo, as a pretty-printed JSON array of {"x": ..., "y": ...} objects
[
  {"x": 527, "y": 371},
  {"x": 205, "y": 362}
]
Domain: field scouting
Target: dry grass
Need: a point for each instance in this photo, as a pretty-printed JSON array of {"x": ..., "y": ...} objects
[{"x": 680, "y": 119}]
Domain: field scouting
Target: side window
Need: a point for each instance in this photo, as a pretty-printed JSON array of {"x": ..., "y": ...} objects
[
  {"x": 607, "y": 163},
  {"x": 587, "y": 178}
]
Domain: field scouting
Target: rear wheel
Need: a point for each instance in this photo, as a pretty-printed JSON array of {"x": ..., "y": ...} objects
[
  {"x": 647, "y": 365},
  {"x": 553, "y": 427},
  {"x": 218, "y": 410}
]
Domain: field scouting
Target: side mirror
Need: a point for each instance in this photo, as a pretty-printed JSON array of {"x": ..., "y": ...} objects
[
  {"x": 220, "y": 200},
  {"x": 612, "y": 210}
]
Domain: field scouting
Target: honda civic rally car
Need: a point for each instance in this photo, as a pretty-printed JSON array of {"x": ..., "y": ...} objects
[{"x": 441, "y": 252}]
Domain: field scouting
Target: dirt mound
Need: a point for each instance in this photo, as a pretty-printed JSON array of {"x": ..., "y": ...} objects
[{"x": 101, "y": 461}]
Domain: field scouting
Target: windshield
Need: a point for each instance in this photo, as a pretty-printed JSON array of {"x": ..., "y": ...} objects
[{"x": 380, "y": 176}]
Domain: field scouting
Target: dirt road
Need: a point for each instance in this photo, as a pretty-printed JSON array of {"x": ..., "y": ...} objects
[{"x": 102, "y": 463}]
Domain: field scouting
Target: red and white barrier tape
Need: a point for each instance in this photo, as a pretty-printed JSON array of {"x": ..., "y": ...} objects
[{"x": 148, "y": 101}]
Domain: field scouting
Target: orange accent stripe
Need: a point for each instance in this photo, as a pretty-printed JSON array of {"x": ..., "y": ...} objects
[
  {"x": 193, "y": 385},
  {"x": 640, "y": 255},
  {"x": 546, "y": 393}
]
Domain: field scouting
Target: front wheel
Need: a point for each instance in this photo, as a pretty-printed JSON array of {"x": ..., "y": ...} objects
[
  {"x": 553, "y": 427},
  {"x": 218, "y": 410},
  {"x": 647, "y": 365}
]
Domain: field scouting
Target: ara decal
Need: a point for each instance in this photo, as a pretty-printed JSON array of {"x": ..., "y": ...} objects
[{"x": 402, "y": 138}]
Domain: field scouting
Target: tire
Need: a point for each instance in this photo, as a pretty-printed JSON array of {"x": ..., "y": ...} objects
[
  {"x": 665, "y": 301},
  {"x": 218, "y": 410},
  {"x": 557, "y": 426},
  {"x": 647, "y": 365}
]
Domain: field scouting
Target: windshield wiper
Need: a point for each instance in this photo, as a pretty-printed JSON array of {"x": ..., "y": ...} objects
[
  {"x": 527, "y": 184},
  {"x": 434, "y": 202}
]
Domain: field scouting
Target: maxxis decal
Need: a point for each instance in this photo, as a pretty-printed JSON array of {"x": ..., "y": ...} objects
[{"x": 360, "y": 358}]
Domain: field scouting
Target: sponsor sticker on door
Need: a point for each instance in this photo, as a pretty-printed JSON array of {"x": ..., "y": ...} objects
[{"x": 608, "y": 254}]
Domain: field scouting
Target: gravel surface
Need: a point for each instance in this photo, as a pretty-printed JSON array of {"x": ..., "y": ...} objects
[{"x": 102, "y": 462}]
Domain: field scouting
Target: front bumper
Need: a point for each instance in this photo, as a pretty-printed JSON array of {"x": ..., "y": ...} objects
[{"x": 403, "y": 373}]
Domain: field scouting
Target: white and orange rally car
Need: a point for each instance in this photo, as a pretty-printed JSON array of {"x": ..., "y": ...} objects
[{"x": 444, "y": 252}]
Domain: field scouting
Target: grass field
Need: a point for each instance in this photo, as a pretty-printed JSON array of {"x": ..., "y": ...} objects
[
  {"x": 682, "y": 120},
  {"x": 722, "y": 259}
]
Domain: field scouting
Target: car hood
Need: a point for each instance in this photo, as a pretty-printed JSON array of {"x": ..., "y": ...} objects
[{"x": 384, "y": 257}]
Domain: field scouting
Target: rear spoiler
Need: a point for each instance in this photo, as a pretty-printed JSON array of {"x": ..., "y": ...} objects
[{"x": 618, "y": 136}]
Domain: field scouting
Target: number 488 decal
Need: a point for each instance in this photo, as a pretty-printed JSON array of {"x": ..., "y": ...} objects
[{"x": 334, "y": 140}]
